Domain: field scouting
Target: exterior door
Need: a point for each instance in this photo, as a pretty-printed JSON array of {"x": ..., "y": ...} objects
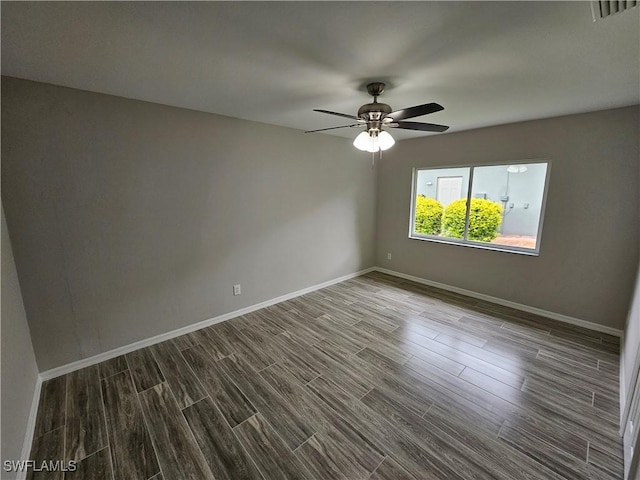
[{"x": 448, "y": 189}]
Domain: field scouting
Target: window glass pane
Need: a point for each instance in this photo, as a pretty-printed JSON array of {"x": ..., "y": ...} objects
[
  {"x": 506, "y": 204},
  {"x": 438, "y": 191}
]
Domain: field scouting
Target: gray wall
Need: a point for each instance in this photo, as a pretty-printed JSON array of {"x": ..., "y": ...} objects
[
  {"x": 19, "y": 368},
  {"x": 589, "y": 247},
  {"x": 131, "y": 219}
]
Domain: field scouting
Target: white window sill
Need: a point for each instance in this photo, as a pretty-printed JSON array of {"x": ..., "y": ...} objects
[{"x": 483, "y": 246}]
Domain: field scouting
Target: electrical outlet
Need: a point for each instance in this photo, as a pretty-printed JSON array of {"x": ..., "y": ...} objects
[
  {"x": 237, "y": 290},
  {"x": 388, "y": 256}
]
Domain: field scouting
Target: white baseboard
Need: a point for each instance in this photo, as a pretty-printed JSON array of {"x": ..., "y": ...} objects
[
  {"x": 518, "y": 306},
  {"x": 623, "y": 394},
  {"x": 101, "y": 357},
  {"x": 31, "y": 426},
  {"x": 85, "y": 362}
]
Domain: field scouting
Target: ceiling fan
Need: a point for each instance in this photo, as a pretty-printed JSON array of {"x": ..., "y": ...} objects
[{"x": 375, "y": 116}]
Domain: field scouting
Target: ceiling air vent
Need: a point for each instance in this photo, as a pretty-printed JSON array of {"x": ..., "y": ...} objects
[{"x": 606, "y": 8}]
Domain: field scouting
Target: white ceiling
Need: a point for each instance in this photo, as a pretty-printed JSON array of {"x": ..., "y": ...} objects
[{"x": 487, "y": 63}]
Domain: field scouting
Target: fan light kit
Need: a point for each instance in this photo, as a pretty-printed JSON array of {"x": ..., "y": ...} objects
[
  {"x": 374, "y": 116},
  {"x": 373, "y": 142}
]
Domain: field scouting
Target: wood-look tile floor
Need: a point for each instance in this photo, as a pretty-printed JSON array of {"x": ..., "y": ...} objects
[{"x": 374, "y": 378}]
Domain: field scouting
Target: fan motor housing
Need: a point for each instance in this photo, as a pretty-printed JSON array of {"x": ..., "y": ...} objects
[{"x": 374, "y": 111}]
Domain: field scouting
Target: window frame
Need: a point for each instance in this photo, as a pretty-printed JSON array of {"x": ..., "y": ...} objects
[{"x": 465, "y": 242}]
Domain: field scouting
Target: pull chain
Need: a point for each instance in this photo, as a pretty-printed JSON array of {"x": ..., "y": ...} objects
[{"x": 373, "y": 158}]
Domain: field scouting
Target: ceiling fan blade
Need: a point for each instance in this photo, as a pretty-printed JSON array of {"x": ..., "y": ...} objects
[
  {"x": 416, "y": 111},
  {"x": 352, "y": 117},
  {"x": 333, "y": 128},
  {"x": 424, "y": 127}
]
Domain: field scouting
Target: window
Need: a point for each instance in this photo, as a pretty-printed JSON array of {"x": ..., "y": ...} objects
[{"x": 499, "y": 207}]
